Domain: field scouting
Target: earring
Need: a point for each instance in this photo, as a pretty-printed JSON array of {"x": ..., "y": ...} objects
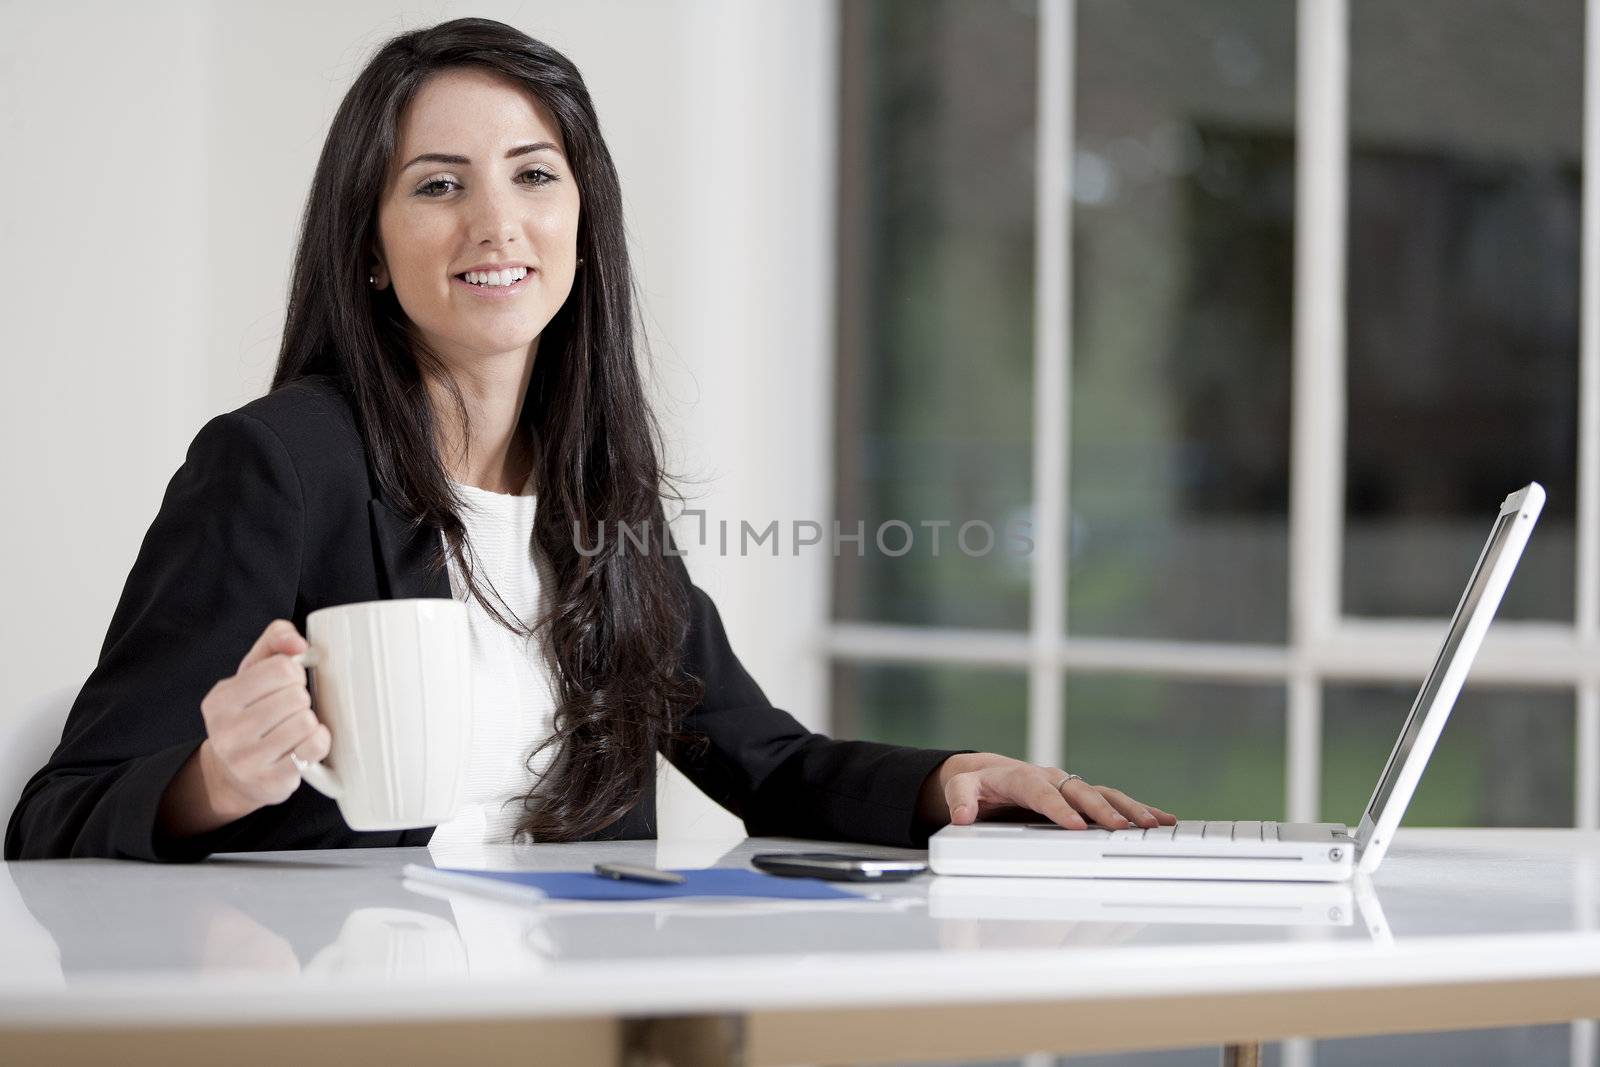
[
  {"x": 372, "y": 279},
  {"x": 580, "y": 261}
]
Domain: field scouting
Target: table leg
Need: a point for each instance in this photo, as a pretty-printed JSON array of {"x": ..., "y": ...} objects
[
  {"x": 1247, "y": 1054},
  {"x": 684, "y": 1041}
]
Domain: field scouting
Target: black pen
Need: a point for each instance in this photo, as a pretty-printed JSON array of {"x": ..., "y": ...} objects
[{"x": 637, "y": 873}]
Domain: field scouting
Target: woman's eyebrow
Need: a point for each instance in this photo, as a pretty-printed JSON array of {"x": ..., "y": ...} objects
[{"x": 463, "y": 161}]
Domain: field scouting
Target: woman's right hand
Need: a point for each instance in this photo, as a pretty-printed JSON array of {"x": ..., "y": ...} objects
[{"x": 255, "y": 718}]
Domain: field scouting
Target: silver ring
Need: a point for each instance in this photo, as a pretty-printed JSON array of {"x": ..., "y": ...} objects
[{"x": 1067, "y": 779}]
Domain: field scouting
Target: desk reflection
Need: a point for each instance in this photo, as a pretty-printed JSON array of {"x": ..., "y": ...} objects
[
  {"x": 232, "y": 916},
  {"x": 326, "y": 919}
]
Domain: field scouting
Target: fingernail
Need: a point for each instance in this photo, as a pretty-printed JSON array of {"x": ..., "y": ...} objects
[
  {"x": 1150, "y": 816},
  {"x": 961, "y": 811}
]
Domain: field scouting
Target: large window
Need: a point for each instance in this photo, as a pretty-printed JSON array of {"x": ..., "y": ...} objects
[
  {"x": 1464, "y": 189},
  {"x": 1254, "y": 311}
]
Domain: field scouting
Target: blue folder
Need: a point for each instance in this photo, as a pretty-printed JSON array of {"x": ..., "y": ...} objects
[{"x": 583, "y": 885}]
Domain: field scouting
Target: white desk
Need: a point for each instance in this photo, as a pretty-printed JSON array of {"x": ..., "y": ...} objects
[{"x": 312, "y": 957}]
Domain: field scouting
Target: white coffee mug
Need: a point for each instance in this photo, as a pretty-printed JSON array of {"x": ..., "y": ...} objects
[{"x": 392, "y": 680}]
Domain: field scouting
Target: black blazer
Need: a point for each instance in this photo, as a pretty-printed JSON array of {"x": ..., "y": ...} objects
[{"x": 276, "y": 512}]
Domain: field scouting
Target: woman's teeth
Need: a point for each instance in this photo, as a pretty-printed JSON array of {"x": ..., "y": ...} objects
[{"x": 496, "y": 277}]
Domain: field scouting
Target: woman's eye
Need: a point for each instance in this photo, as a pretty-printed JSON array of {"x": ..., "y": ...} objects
[
  {"x": 423, "y": 188},
  {"x": 535, "y": 177}
]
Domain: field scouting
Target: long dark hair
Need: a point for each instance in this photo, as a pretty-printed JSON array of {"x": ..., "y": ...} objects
[{"x": 616, "y": 619}]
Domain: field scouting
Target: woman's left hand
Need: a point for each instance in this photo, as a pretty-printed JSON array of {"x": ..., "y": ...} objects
[{"x": 968, "y": 786}]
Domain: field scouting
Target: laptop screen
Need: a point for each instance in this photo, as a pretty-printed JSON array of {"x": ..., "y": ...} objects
[{"x": 1492, "y": 551}]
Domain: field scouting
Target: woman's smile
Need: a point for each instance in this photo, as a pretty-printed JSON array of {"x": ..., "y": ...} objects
[{"x": 494, "y": 288}]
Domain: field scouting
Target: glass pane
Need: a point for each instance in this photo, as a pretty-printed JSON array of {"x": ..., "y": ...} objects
[
  {"x": 1505, "y": 757},
  {"x": 936, "y": 307},
  {"x": 1465, "y": 145},
  {"x": 1463, "y": 1048},
  {"x": 932, "y": 706},
  {"x": 1200, "y": 750},
  {"x": 1183, "y": 252},
  {"x": 1271, "y": 1056}
]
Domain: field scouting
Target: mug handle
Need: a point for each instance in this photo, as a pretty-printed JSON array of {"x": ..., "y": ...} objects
[{"x": 321, "y": 778}]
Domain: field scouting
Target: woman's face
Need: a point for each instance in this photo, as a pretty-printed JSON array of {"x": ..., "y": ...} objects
[{"x": 480, "y": 181}]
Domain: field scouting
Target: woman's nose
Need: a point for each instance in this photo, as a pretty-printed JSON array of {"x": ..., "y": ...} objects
[{"x": 495, "y": 215}]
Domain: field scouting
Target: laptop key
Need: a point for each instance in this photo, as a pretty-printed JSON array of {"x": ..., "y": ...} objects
[
  {"x": 1308, "y": 833},
  {"x": 1188, "y": 828},
  {"x": 1124, "y": 836},
  {"x": 1247, "y": 831},
  {"x": 1219, "y": 831}
]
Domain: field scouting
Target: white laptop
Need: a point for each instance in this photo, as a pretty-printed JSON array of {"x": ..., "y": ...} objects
[{"x": 1267, "y": 851}]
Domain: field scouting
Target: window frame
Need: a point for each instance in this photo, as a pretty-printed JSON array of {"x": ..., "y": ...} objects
[{"x": 1324, "y": 645}]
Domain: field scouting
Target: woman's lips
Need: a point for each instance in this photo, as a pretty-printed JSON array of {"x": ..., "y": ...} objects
[{"x": 495, "y": 292}]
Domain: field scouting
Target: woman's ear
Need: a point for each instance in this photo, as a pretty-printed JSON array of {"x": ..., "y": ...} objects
[{"x": 377, "y": 271}]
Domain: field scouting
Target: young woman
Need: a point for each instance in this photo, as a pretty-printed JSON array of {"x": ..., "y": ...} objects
[{"x": 456, "y": 409}]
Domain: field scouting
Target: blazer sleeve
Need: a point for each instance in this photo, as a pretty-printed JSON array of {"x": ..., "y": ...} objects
[
  {"x": 782, "y": 779},
  {"x": 219, "y": 562}
]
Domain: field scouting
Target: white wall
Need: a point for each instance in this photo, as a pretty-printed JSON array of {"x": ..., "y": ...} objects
[{"x": 165, "y": 152}]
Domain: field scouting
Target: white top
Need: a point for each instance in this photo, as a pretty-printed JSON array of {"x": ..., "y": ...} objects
[{"x": 513, "y": 690}]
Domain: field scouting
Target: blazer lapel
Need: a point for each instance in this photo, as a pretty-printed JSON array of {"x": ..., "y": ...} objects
[{"x": 404, "y": 555}]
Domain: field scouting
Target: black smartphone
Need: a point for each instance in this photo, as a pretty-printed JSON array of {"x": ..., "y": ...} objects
[{"x": 837, "y": 866}]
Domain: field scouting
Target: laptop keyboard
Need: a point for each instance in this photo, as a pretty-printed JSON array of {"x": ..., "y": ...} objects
[{"x": 1192, "y": 830}]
